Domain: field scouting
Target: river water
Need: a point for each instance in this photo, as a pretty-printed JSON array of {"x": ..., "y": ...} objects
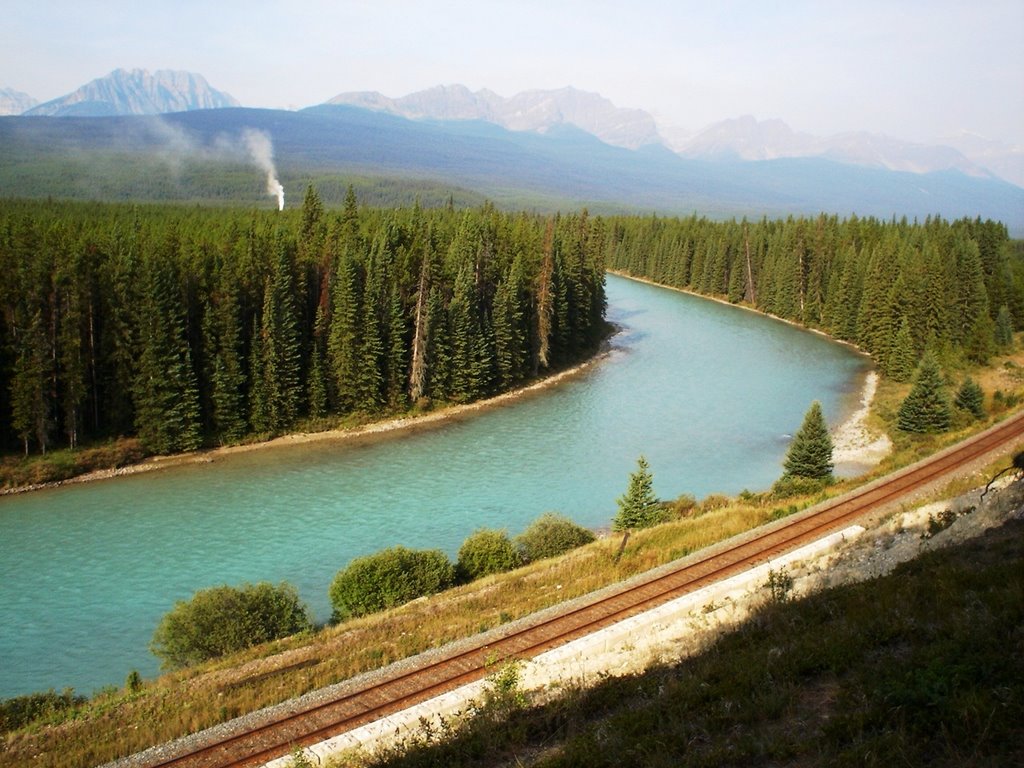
[{"x": 707, "y": 392}]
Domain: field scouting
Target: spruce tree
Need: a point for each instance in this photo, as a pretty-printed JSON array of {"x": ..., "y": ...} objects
[
  {"x": 971, "y": 398},
  {"x": 1004, "y": 328},
  {"x": 167, "y": 414},
  {"x": 638, "y": 507},
  {"x": 228, "y": 379},
  {"x": 926, "y": 408},
  {"x": 316, "y": 386},
  {"x": 902, "y": 358},
  {"x": 810, "y": 453},
  {"x": 343, "y": 341}
]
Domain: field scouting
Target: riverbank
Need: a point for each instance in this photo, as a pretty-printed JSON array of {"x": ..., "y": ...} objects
[
  {"x": 376, "y": 429},
  {"x": 856, "y": 448}
]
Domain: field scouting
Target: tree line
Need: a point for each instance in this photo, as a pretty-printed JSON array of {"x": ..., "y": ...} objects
[
  {"x": 193, "y": 326},
  {"x": 893, "y": 288}
]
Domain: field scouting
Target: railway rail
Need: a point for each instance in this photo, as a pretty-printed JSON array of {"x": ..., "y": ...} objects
[{"x": 389, "y": 693}]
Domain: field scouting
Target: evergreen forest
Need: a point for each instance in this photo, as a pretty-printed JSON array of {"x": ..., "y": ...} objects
[
  {"x": 192, "y": 326},
  {"x": 893, "y": 288},
  {"x": 201, "y": 326}
]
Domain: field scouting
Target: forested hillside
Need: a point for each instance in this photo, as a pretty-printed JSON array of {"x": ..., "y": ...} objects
[
  {"x": 893, "y": 288},
  {"x": 192, "y": 326}
]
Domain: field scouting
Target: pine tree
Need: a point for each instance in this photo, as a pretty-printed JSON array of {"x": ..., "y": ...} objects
[
  {"x": 1004, "y": 328},
  {"x": 926, "y": 408},
  {"x": 971, "y": 398},
  {"x": 228, "y": 378},
  {"x": 981, "y": 343},
  {"x": 316, "y": 387},
  {"x": 420, "y": 364},
  {"x": 638, "y": 507},
  {"x": 397, "y": 353},
  {"x": 369, "y": 375},
  {"x": 902, "y": 358},
  {"x": 280, "y": 367},
  {"x": 167, "y": 413},
  {"x": 28, "y": 384},
  {"x": 810, "y": 453},
  {"x": 465, "y": 338},
  {"x": 343, "y": 341}
]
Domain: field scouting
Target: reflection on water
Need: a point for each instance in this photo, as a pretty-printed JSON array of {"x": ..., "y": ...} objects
[{"x": 706, "y": 392}]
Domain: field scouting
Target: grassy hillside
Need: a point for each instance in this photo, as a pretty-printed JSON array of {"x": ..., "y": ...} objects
[{"x": 922, "y": 667}]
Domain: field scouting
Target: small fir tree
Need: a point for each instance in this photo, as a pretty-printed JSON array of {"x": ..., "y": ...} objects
[
  {"x": 810, "y": 453},
  {"x": 638, "y": 507},
  {"x": 971, "y": 398},
  {"x": 926, "y": 408}
]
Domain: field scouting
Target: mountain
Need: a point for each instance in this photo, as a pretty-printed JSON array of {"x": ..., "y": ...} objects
[
  {"x": 14, "y": 102},
  {"x": 137, "y": 92},
  {"x": 742, "y": 138},
  {"x": 746, "y": 138},
  {"x": 185, "y": 156},
  {"x": 1005, "y": 161},
  {"x": 537, "y": 111}
]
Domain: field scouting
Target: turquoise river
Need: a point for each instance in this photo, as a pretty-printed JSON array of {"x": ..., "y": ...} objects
[{"x": 707, "y": 392}]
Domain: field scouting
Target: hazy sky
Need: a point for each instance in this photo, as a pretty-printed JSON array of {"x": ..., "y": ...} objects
[{"x": 917, "y": 70}]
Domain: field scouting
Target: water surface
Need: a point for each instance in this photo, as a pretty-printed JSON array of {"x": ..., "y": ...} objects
[{"x": 707, "y": 392}]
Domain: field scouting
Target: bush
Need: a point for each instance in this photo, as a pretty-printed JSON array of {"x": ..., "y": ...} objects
[
  {"x": 486, "y": 551},
  {"x": 49, "y": 706},
  {"x": 551, "y": 535},
  {"x": 226, "y": 619},
  {"x": 684, "y": 506},
  {"x": 389, "y": 578},
  {"x": 792, "y": 485}
]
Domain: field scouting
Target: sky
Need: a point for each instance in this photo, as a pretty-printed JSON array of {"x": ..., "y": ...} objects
[{"x": 915, "y": 69}]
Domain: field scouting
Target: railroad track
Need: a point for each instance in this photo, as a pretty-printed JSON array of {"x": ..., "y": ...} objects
[{"x": 392, "y": 693}]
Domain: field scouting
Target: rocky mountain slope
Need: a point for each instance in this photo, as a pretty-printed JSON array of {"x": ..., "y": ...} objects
[
  {"x": 137, "y": 92},
  {"x": 746, "y": 138},
  {"x": 14, "y": 102},
  {"x": 538, "y": 111}
]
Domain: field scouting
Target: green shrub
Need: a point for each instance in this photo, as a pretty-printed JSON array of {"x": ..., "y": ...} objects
[
  {"x": 486, "y": 551},
  {"x": 49, "y": 706},
  {"x": 389, "y": 578},
  {"x": 225, "y": 619},
  {"x": 550, "y": 535},
  {"x": 684, "y": 506},
  {"x": 793, "y": 485}
]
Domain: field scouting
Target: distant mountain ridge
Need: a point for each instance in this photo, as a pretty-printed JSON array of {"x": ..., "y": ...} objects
[
  {"x": 742, "y": 138},
  {"x": 561, "y": 169},
  {"x": 538, "y": 111},
  {"x": 137, "y": 92},
  {"x": 746, "y": 138},
  {"x": 14, "y": 102}
]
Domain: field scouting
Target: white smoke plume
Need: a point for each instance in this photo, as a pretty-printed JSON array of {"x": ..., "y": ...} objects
[{"x": 261, "y": 150}]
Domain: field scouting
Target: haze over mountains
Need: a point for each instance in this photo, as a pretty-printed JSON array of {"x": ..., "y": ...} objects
[
  {"x": 743, "y": 138},
  {"x": 548, "y": 148},
  {"x": 527, "y": 111}
]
